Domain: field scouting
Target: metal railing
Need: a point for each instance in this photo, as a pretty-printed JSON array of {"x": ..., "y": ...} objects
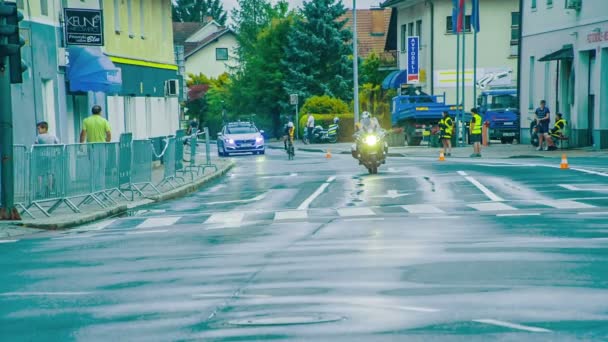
[{"x": 48, "y": 177}]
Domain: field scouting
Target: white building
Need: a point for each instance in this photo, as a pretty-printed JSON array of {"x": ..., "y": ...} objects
[
  {"x": 564, "y": 60},
  {"x": 431, "y": 20}
]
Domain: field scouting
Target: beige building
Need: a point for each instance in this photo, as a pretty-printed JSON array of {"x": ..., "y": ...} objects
[{"x": 431, "y": 20}]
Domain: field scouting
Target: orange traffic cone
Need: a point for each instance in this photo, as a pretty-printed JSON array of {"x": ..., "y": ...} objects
[
  {"x": 564, "y": 164},
  {"x": 328, "y": 154},
  {"x": 441, "y": 155}
]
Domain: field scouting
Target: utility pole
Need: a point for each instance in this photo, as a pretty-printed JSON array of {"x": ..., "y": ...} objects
[
  {"x": 355, "y": 63},
  {"x": 11, "y": 68}
]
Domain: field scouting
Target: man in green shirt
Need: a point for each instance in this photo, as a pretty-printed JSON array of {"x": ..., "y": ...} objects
[{"x": 95, "y": 128}]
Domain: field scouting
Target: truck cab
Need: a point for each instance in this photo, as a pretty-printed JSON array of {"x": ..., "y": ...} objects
[{"x": 499, "y": 107}]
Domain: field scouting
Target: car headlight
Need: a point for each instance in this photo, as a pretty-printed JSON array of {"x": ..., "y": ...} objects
[
  {"x": 259, "y": 140},
  {"x": 229, "y": 141},
  {"x": 371, "y": 140}
]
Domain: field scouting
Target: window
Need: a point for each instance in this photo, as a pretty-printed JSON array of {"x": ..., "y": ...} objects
[
  {"x": 117, "y": 16},
  {"x": 410, "y": 29},
  {"x": 549, "y": 3},
  {"x": 142, "y": 19},
  {"x": 130, "y": 14},
  {"x": 44, "y": 7},
  {"x": 450, "y": 29},
  {"x": 221, "y": 54},
  {"x": 403, "y": 37},
  {"x": 531, "y": 84},
  {"x": 514, "y": 28},
  {"x": 533, "y": 4},
  {"x": 419, "y": 32}
]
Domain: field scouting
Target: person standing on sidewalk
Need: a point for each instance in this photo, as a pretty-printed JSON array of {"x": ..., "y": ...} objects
[
  {"x": 95, "y": 129},
  {"x": 44, "y": 137},
  {"x": 542, "y": 120},
  {"x": 476, "y": 123},
  {"x": 310, "y": 126},
  {"x": 447, "y": 128}
]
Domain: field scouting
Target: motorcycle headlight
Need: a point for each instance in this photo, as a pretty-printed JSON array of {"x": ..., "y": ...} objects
[{"x": 371, "y": 140}]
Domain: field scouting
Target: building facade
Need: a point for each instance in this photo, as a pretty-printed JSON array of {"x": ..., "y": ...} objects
[
  {"x": 138, "y": 45},
  {"x": 431, "y": 20},
  {"x": 565, "y": 62}
]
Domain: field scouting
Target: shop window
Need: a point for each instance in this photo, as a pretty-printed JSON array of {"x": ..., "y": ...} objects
[{"x": 221, "y": 54}]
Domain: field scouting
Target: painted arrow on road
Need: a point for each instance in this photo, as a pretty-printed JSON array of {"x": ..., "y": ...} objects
[
  {"x": 392, "y": 194},
  {"x": 257, "y": 198}
]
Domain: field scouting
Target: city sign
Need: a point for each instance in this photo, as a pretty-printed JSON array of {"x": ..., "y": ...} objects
[
  {"x": 83, "y": 27},
  {"x": 413, "y": 65}
]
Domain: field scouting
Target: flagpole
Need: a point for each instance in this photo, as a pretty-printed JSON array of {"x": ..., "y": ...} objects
[
  {"x": 475, "y": 59},
  {"x": 458, "y": 120},
  {"x": 464, "y": 54}
]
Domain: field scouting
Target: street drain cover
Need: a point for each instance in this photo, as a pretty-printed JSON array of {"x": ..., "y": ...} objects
[{"x": 287, "y": 319}]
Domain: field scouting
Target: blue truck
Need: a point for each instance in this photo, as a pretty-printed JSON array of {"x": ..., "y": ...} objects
[
  {"x": 499, "y": 107},
  {"x": 415, "y": 111}
]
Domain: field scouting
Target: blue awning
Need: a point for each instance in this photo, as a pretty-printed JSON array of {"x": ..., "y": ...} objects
[
  {"x": 90, "y": 70},
  {"x": 395, "y": 79}
]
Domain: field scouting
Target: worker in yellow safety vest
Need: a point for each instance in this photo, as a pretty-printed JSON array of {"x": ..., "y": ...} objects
[
  {"x": 447, "y": 129},
  {"x": 556, "y": 132},
  {"x": 476, "y": 124}
]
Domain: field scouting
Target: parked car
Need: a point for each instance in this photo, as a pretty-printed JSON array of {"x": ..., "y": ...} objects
[{"x": 240, "y": 137}]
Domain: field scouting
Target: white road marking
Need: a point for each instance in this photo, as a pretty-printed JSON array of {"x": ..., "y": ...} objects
[
  {"x": 26, "y": 294},
  {"x": 591, "y": 172},
  {"x": 561, "y": 204},
  {"x": 280, "y": 176},
  {"x": 570, "y": 187},
  {"x": 230, "y": 217},
  {"x": 97, "y": 226},
  {"x": 392, "y": 194},
  {"x": 492, "y": 196},
  {"x": 8, "y": 241},
  {"x": 255, "y": 199},
  {"x": 316, "y": 194},
  {"x": 349, "y": 212},
  {"x": 438, "y": 217},
  {"x": 74, "y": 236},
  {"x": 511, "y": 325},
  {"x": 422, "y": 209},
  {"x": 364, "y": 219},
  {"x": 491, "y": 206},
  {"x": 515, "y": 215},
  {"x": 147, "y": 232},
  {"x": 291, "y": 215},
  {"x": 587, "y": 187},
  {"x": 158, "y": 222},
  {"x": 594, "y": 213}
]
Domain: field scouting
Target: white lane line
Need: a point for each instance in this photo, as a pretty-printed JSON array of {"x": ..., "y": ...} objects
[
  {"x": 316, "y": 194},
  {"x": 147, "y": 232},
  {"x": 561, "y": 204},
  {"x": 74, "y": 236},
  {"x": 364, "y": 219},
  {"x": 570, "y": 187},
  {"x": 515, "y": 215},
  {"x": 491, "y": 206},
  {"x": 438, "y": 217},
  {"x": 26, "y": 294},
  {"x": 159, "y": 222},
  {"x": 255, "y": 199},
  {"x": 291, "y": 215},
  {"x": 593, "y": 187},
  {"x": 230, "y": 217},
  {"x": 594, "y": 213},
  {"x": 351, "y": 212},
  {"x": 96, "y": 226},
  {"x": 422, "y": 209},
  {"x": 8, "y": 241},
  {"x": 492, "y": 196},
  {"x": 511, "y": 325},
  {"x": 590, "y": 172}
]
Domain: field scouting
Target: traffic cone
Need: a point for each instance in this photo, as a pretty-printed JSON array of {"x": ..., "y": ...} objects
[
  {"x": 564, "y": 164},
  {"x": 441, "y": 155},
  {"x": 328, "y": 154}
]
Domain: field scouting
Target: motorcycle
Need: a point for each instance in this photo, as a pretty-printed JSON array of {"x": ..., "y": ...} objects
[
  {"x": 371, "y": 150},
  {"x": 320, "y": 135},
  {"x": 534, "y": 133}
]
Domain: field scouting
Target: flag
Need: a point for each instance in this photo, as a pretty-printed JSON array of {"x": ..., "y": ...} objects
[
  {"x": 461, "y": 15},
  {"x": 475, "y": 15},
  {"x": 457, "y": 15}
]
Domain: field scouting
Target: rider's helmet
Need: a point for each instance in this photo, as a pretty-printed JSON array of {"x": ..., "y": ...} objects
[
  {"x": 290, "y": 124},
  {"x": 336, "y": 120},
  {"x": 366, "y": 115}
]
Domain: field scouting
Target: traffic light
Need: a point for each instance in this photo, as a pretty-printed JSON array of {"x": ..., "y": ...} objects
[{"x": 10, "y": 40}]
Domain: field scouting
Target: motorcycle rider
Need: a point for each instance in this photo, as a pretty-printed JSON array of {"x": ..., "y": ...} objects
[{"x": 368, "y": 124}]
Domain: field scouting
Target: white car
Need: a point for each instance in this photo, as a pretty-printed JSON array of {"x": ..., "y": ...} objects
[{"x": 240, "y": 137}]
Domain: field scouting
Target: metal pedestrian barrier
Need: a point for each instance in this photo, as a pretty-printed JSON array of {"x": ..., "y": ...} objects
[{"x": 48, "y": 177}]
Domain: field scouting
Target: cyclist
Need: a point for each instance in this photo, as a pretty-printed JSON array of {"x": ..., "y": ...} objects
[{"x": 288, "y": 134}]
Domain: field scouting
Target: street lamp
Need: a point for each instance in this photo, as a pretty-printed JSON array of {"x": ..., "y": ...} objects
[{"x": 355, "y": 63}]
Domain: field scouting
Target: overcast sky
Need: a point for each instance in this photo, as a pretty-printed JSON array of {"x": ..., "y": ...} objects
[{"x": 361, "y": 4}]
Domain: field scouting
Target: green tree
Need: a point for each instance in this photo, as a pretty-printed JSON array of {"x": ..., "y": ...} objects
[
  {"x": 324, "y": 105},
  {"x": 209, "y": 108},
  {"x": 250, "y": 17},
  {"x": 198, "y": 11},
  {"x": 318, "y": 54}
]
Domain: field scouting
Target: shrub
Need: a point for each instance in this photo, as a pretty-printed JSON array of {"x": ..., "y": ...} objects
[{"x": 324, "y": 105}]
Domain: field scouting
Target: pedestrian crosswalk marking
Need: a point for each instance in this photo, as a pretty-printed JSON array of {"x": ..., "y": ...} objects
[
  {"x": 422, "y": 209},
  {"x": 226, "y": 218},
  {"x": 159, "y": 222},
  {"x": 361, "y": 211},
  {"x": 491, "y": 206},
  {"x": 562, "y": 204},
  {"x": 97, "y": 226},
  {"x": 291, "y": 215}
]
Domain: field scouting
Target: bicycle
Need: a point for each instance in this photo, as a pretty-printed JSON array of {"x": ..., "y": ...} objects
[{"x": 290, "y": 150}]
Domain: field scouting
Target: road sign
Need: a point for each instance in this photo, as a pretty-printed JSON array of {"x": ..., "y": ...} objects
[
  {"x": 83, "y": 27},
  {"x": 293, "y": 99},
  {"x": 413, "y": 67}
]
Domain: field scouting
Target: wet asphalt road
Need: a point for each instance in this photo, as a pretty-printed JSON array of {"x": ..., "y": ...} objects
[{"x": 317, "y": 250}]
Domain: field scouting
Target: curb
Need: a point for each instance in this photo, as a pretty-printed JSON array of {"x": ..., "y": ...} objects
[{"x": 123, "y": 208}]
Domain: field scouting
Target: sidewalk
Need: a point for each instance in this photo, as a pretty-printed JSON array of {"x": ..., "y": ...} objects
[
  {"x": 494, "y": 151},
  {"x": 64, "y": 218}
]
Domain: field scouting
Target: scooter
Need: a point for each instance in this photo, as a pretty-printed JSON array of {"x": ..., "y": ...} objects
[
  {"x": 320, "y": 135},
  {"x": 534, "y": 133},
  {"x": 371, "y": 150}
]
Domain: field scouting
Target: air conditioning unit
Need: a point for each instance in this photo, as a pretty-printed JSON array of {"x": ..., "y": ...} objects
[
  {"x": 574, "y": 4},
  {"x": 172, "y": 88}
]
